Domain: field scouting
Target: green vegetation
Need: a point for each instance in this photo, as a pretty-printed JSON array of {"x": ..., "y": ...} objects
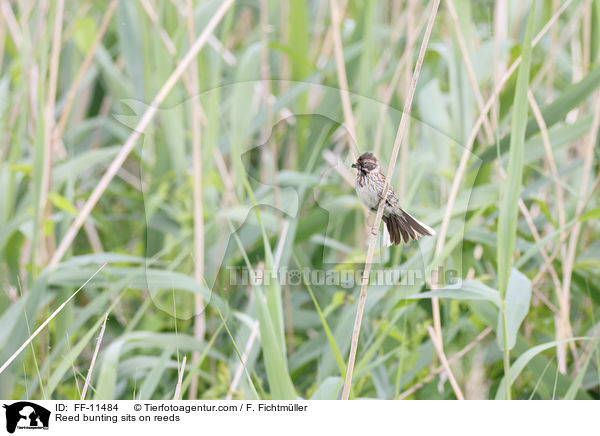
[{"x": 182, "y": 152}]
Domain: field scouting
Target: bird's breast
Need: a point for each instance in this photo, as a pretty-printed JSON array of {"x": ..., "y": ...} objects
[{"x": 367, "y": 191}]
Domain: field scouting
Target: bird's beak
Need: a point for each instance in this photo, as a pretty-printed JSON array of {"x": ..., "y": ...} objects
[{"x": 354, "y": 165}]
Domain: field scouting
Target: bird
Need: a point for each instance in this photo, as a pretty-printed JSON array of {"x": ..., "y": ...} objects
[{"x": 369, "y": 185}]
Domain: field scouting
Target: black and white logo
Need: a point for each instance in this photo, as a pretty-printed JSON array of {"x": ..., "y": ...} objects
[{"x": 26, "y": 415}]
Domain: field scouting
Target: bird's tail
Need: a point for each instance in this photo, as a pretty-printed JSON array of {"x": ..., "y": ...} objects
[{"x": 405, "y": 226}]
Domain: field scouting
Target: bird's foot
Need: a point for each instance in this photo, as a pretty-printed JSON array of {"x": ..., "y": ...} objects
[{"x": 382, "y": 199}]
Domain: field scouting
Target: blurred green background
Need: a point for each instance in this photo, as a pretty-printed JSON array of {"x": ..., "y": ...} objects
[{"x": 243, "y": 164}]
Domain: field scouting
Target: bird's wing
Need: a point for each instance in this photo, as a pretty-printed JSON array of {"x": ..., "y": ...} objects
[{"x": 392, "y": 199}]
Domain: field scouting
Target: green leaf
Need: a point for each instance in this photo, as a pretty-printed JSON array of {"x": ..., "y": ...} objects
[
  {"x": 470, "y": 290},
  {"x": 329, "y": 389},
  {"x": 62, "y": 203},
  {"x": 24, "y": 168},
  {"x": 298, "y": 36},
  {"x": 332, "y": 343},
  {"x": 518, "y": 299},
  {"x": 508, "y": 214},
  {"x": 270, "y": 323},
  {"x": 107, "y": 381},
  {"x": 591, "y": 215},
  {"x": 84, "y": 32},
  {"x": 155, "y": 375},
  {"x": 524, "y": 359},
  {"x": 110, "y": 356},
  {"x": 507, "y": 222}
]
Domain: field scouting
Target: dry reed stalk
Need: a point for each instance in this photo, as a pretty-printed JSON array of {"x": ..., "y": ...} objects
[
  {"x": 12, "y": 24},
  {"x": 369, "y": 259},
  {"x": 91, "y": 370},
  {"x": 240, "y": 369},
  {"x": 200, "y": 315},
  {"x": 586, "y": 35},
  {"x": 177, "y": 395},
  {"x": 440, "y": 352},
  {"x": 481, "y": 336},
  {"x": 537, "y": 113}
]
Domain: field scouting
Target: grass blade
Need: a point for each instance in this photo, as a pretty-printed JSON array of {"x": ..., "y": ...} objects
[{"x": 507, "y": 221}]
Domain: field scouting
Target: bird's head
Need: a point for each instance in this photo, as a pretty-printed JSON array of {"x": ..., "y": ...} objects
[{"x": 367, "y": 163}]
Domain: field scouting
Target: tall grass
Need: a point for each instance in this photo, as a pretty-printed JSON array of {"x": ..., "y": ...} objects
[
  {"x": 507, "y": 220},
  {"x": 181, "y": 143}
]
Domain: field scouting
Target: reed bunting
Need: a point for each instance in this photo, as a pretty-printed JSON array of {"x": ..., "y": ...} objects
[{"x": 369, "y": 185}]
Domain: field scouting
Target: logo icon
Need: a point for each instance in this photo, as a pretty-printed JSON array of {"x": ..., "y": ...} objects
[{"x": 26, "y": 415}]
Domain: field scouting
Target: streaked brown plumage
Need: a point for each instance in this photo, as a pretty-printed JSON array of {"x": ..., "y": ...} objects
[{"x": 369, "y": 185}]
